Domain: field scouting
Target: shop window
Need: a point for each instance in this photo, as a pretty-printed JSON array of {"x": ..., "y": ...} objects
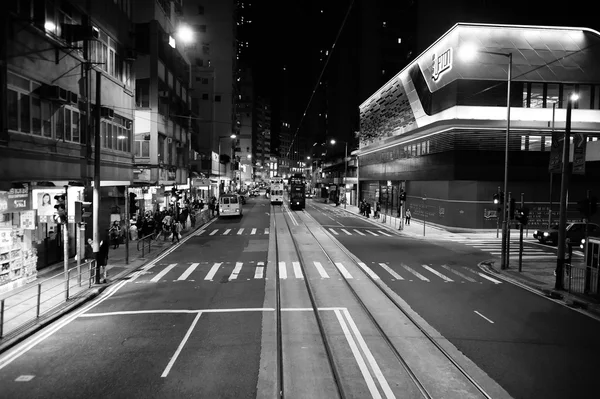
[
  {"x": 552, "y": 94},
  {"x": 536, "y": 97}
]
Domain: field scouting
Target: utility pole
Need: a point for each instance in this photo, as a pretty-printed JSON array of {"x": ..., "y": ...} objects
[
  {"x": 564, "y": 188},
  {"x": 127, "y": 218},
  {"x": 497, "y": 216},
  {"x": 4, "y": 30},
  {"x": 507, "y": 222},
  {"x": 96, "y": 198}
]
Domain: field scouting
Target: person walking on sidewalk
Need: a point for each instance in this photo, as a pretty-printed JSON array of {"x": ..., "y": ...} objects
[
  {"x": 408, "y": 216},
  {"x": 102, "y": 260},
  {"x": 89, "y": 251},
  {"x": 115, "y": 234},
  {"x": 176, "y": 230}
]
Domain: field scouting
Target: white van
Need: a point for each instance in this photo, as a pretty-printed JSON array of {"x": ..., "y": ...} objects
[{"x": 230, "y": 205}]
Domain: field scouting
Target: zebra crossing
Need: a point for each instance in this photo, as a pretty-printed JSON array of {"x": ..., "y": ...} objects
[
  {"x": 232, "y": 231},
  {"x": 362, "y": 232},
  {"x": 494, "y": 247},
  {"x": 239, "y": 271}
]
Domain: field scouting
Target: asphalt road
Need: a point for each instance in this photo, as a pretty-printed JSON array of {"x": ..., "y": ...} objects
[
  {"x": 531, "y": 346},
  {"x": 174, "y": 330}
]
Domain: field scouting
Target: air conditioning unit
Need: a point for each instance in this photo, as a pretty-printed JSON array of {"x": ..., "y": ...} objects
[
  {"x": 163, "y": 93},
  {"x": 107, "y": 113},
  {"x": 130, "y": 54},
  {"x": 72, "y": 97},
  {"x": 55, "y": 93}
]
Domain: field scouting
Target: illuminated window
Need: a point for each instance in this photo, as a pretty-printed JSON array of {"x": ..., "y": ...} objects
[
  {"x": 552, "y": 93},
  {"x": 535, "y": 143},
  {"x": 537, "y": 95}
]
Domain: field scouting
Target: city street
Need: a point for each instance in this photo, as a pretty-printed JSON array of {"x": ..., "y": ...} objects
[
  {"x": 196, "y": 321},
  {"x": 531, "y": 346}
]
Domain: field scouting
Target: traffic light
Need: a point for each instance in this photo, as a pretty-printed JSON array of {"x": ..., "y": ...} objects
[
  {"x": 402, "y": 195},
  {"x": 83, "y": 210},
  {"x": 522, "y": 215},
  {"x": 511, "y": 209},
  {"x": 133, "y": 207},
  {"x": 60, "y": 217},
  {"x": 501, "y": 197},
  {"x": 496, "y": 199}
]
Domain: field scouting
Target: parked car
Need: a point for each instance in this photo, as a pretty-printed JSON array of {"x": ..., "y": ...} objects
[
  {"x": 575, "y": 232},
  {"x": 309, "y": 195}
]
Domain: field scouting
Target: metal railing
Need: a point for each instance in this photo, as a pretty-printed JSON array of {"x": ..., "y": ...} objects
[
  {"x": 30, "y": 303},
  {"x": 145, "y": 241},
  {"x": 582, "y": 280}
]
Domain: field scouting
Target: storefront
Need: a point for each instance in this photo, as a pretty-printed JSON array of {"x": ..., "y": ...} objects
[{"x": 440, "y": 125}]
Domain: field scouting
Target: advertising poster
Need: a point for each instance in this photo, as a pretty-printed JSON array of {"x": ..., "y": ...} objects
[{"x": 45, "y": 203}]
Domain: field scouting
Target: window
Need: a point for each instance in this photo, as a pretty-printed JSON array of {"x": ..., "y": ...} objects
[
  {"x": 567, "y": 91},
  {"x": 36, "y": 116},
  {"x": 59, "y": 125},
  {"x": 200, "y": 28},
  {"x": 535, "y": 143},
  {"x": 526, "y": 95},
  {"x": 205, "y": 96},
  {"x": 218, "y": 98},
  {"x": 46, "y": 119},
  {"x": 596, "y": 104},
  {"x": 13, "y": 110},
  {"x": 537, "y": 95},
  {"x": 552, "y": 94},
  {"x": 24, "y": 112},
  {"x": 200, "y": 10},
  {"x": 142, "y": 93},
  {"x": 585, "y": 97},
  {"x": 67, "y": 124}
]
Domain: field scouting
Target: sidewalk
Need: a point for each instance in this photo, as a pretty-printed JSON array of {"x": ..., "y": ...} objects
[
  {"x": 536, "y": 275},
  {"x": 23, "y": 315}
]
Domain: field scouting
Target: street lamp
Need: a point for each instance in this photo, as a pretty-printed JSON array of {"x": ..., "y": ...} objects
[
  {"x": 233, "y": 136},
  {"x": 185, "y": 34},
  {"x": 345, "y": 165},
  {"x": 467, "y": 52}
]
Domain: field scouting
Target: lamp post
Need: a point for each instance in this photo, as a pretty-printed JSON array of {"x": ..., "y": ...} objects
[
  {"x": 564, "y": 187},
  {"x": 333, "y": 141},
  {"x": 468, "y": 52},
  {"x": 233, "y": 136}
]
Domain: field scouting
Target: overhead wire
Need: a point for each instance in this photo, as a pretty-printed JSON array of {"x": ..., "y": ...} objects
[{"x": 320, "y": 77}]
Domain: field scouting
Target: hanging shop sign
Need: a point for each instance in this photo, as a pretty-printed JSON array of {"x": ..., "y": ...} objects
[{"x": 15, "y": 200}]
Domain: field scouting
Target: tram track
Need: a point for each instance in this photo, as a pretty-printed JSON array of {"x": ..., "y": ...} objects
[{"x": 300, "y": 219}]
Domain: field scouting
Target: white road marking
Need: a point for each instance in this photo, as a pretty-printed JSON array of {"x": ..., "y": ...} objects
[
  {"x": 226, "y": 232},
  {"x": 413, "y": 271},
  {"x": 321, "y": 270},
  {"x": 390, "y": 271},
  {"x": 459, "y": 273},
  {"x": 282, "y": 270},
  {"x": 483, "y": 316},
  {"x": 236, "y": 271},
  {"x": 258, "y": 273},
  {"x": 181, "y": 345},
  {"x": 334, "y": 232},
  {"x": 213, "y": 232},
  {"x": 188, "y": 271},
  {"x": 370, "y": 232},
  {"x": 385, "y": 234},
  {"x": 372, "y": 362},
  {"x": 25, "y": 378},
  {"x": 343, "y": 270},
  {"x": 213, "y": 270},
  {"x": 200, "y": 232},
  {"x": 368, "y": 270},
  {"x": 297, "y": 270},
  {"x": 440, "y": 275},
  {"x": 253, "y": 231},
  {"x": 240, "y": 231},
  {"x": 359, "y": 359},
  {"x": 163, "y": 272},
  {"x": 267, "y": 230},
  {"x": 493, "y": 280},
  {"x": 362, "y": 234},
  {"x": 346, "y": 231}
]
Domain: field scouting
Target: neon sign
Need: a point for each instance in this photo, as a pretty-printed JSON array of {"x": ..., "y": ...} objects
[{"x": 441, "y": 63}]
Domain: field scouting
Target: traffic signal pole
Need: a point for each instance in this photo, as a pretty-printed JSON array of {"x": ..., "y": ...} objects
[
  {"x": 96, "y": 197},
  {"x": 127, "y": 219},
  {"x": 521, "y": 235},
  {"x": 65, "y": 234}
]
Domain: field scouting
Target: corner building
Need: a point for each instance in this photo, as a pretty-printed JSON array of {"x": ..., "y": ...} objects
[{"x": 438, "y": 128}]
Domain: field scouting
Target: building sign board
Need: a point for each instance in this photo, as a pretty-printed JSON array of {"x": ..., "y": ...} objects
[
  {"x": 441, "y": 63},
  {"x": 579, "y": 147}
]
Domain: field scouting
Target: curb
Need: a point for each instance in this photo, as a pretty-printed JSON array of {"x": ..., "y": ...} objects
[
  {"x": 91, "y": 294},
  {"x": 558, "y": 297}
]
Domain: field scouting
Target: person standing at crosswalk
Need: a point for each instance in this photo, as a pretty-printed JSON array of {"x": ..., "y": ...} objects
[{"x": 408, "y": 216}]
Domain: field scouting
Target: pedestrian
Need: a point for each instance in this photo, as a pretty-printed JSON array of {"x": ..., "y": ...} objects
[
  {"x": 175, "y": 230},
  {"x": 377, "y": 209},
  {"x": 133, "y": 230},
  {"x": 368, "y": 210},
  {"x": 193, "y": 218},
  {"x": 115, "y": 234},
  {"x": 102, "y": 260},
  {"x": 408, "y": 216},
  {"x": 89, "y": 251}
]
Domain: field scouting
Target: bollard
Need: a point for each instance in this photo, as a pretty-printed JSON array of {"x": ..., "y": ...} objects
[
  {"x": 39, "y": 301},
  {"x": 68, "y": 279}
]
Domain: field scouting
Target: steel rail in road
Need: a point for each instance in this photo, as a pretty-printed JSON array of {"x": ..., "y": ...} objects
[
  {"x": 326, "y": 344},
  {"x": 400, "y": 307}
]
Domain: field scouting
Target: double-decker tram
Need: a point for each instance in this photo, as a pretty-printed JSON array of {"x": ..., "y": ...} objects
[
  {"x": 276, "y": 190},
  {"x": 297, "y": 191}
]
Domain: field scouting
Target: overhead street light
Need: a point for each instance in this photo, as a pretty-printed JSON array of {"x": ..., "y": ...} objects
[
  {"x": 467, "y": 52},
  {"x": 232, "y": 136},
  {"x": 333, "y": 141},
  {"x": 185, "y": 34}
]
